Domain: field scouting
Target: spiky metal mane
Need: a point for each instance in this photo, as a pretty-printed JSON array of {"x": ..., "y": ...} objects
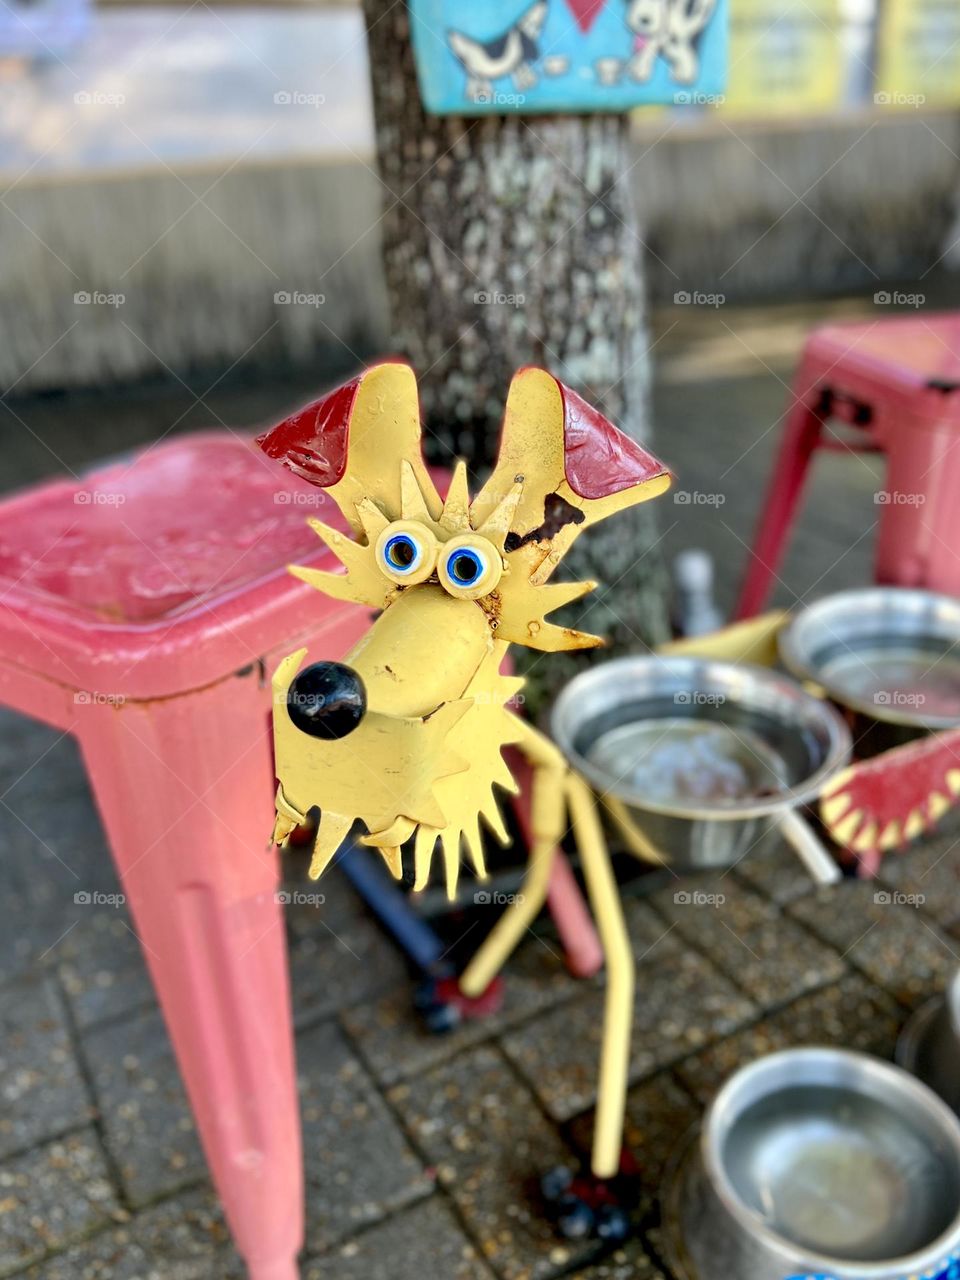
[
  {"x": 470, "y": 796},
  {"x": 517, "y": 608}
]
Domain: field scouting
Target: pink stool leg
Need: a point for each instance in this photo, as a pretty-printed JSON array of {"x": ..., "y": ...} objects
[
  {"x": 580, "y": 942},
  {"x": 185, "y": 789},
  {"x": 800, "y": 438}
]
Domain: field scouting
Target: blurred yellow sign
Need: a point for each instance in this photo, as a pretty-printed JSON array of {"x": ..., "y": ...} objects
[
  {"x": 785, "y": 57},
  {"x": 919, "y": 53}
]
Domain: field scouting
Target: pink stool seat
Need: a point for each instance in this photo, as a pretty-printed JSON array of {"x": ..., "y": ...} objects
[
  {"x": 137, "y": 567},
  {"x": 896, "y": 384}
]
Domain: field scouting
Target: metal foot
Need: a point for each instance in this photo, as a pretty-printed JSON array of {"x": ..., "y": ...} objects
[
  {"x": 444, "y": 1006},
  {"x": 585, "y": 1207}
]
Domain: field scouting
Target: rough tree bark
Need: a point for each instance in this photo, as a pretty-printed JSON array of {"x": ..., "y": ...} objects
[{"x": 510, "y": 241}]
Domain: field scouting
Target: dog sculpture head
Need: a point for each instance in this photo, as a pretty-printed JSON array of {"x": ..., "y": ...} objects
[{"x": 406, "y": 733}]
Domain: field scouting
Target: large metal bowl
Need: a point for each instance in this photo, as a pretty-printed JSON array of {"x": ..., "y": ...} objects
[
  {"x": 889, "y": 653},
  {"x": 929, "y": 1047},
  {"x": 823, "y": 1163},
  {"x": 792, "y": 743}
]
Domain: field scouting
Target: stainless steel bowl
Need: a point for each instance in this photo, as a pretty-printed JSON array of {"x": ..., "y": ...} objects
[
  {"x": 890, "y": 653},
  {"x": 823, "y": 1163},
  {"x": 612, "y": 720},
  {"x": 929, "y": 1047}
]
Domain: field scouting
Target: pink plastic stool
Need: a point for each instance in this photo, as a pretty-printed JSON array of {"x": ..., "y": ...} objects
[
  {"x": 896, "y": 384},
  {"x": 142, "y": 609}
]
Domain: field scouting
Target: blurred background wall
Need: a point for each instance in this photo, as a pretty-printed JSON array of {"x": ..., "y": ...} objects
[{"x": 194, "y": 185}]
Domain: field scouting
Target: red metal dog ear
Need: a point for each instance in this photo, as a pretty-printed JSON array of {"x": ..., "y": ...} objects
[
  {"x": 598, "y": 459},
  {"x": 313, "y": 442},
  {"x": 353, "y": 441},
  {"x": 577, "y": 468}
]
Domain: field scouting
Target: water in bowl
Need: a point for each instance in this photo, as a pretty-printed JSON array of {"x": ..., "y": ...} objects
[
  {"x": 903, "y": 679},
  {"x": 841, "y": 1173},
  {"x": 688, "y": 759}
]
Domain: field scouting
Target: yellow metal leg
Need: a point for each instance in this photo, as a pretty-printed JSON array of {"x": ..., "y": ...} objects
[
  {"x": 547, "y": 815},
  {"x": 618, "y": 1010}
]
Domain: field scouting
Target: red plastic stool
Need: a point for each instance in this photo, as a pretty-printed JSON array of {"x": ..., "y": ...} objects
[
  {"x": 896, "y": 384},
  {"x": 142, "y": 608}
]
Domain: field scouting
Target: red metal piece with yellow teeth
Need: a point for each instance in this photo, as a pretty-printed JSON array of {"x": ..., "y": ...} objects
[{"x": 406, "y": 734}]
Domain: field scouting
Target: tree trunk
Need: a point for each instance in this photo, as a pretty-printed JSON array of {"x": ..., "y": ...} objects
[{"x": 511, "y": 241}]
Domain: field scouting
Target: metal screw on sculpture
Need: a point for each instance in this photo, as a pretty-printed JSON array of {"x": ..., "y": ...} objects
[{"x": 454, "y": 581}]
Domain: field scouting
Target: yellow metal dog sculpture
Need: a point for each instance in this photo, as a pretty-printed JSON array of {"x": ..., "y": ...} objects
[{"x": 406, "y": 734}]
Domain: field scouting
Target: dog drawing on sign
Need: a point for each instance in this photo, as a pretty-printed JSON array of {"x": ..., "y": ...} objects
[
  {"x": 669, "y": 29},
  {"x": 513, "y": 54}
]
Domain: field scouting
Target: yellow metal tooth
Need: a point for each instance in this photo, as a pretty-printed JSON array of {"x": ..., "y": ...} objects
[
  {"x": 866, "y": 841},
  {"x": 331, "y": 833},
  {"x": 844, "y": 830},
  {"x": 504, "y": 778},
  {"x": 953, "y": 781},
  {"x": 287, "y": 820},
  {"x": 474, "y": 843},
  {"x": 423, "y": 847},
  {"x": 915, "y": 825},
  {"x": 838, "y": 782},
  {"x": 833, "y": 808},
  {"x": 890, "y": 836},
  {"x": 282, "y": 829},
  {"x": 393, "y": 857},
  {"x": 491, "y": 813},
  {"x": 450, "y": 844},
  {"x": 937, "y": 806},
  {"x": 455, "y": 516}
]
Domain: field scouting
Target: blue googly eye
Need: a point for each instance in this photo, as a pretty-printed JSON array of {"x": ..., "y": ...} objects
[
  {"x": 470, "y": 567},
  {"x": 402, "y": 554},
  {"x": 465, "y": 567}
]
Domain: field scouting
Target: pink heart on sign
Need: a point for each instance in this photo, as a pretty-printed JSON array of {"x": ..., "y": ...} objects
[{"x": 585, "y": 12}]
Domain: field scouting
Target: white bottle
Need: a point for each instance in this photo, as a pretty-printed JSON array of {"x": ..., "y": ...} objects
[{"x": 695, "y": 613}]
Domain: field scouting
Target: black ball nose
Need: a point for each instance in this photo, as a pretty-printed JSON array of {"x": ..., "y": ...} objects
[{"x": 327, "y": 700}]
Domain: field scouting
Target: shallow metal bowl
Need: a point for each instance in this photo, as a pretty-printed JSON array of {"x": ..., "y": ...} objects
[
  {"x": 822, "y": 1162},
  {"x": 891, "y": 653},
  {"x": 792, "y": 744},
  {"x": 929, "y": 1047}
]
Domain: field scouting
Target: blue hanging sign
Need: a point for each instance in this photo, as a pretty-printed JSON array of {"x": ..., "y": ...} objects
[{"x": 522, "y": 56}]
